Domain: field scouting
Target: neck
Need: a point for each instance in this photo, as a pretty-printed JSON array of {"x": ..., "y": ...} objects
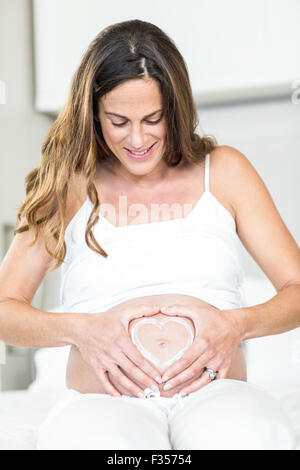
[{"x": 140, "y": 182}]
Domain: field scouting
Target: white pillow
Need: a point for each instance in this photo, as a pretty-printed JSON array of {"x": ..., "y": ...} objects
[{"x": 50, "y": 365}]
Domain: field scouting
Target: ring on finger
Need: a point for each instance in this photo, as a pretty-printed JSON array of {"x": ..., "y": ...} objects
[{"x": 212, "y": 373}]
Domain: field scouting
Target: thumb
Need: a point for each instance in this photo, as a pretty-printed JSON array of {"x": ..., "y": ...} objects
[
  {"x": 177, "y": 310},
  {"x": 182, "y": 311},
  {"x": 139, "y": 311}
]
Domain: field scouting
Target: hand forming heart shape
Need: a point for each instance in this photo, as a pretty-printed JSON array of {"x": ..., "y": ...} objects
[{"x": 162, "y": 341}]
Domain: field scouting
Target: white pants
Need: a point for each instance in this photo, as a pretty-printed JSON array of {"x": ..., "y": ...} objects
[{"x": 225, "y": 414}]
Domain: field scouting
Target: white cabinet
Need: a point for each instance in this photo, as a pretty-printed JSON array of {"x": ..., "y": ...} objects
[
  {"x": 233, "y": 50},
  {"x": 18, "y": 371}
]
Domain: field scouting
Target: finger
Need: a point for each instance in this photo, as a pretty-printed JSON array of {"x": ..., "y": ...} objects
[
  {"x": 186, "y": 309},
  {"x": 181, "y": 310},
  {"x": 139, "y": 311},
  {"x": 137, "y": 374},
  {"x": 204, "y": 379},
  {"x": 223, "y": 370},
  {"x": 101, "y": 372},
  {"x": 193, "y": 371},
  {"x": 111, "y": 386},
  {"x": 194, "y": 352},
  {"x": 107, "y": 385},
  {"x": 222, "y": 373},
  {"x": 147, "y": 368},
  {"x": 117, "y": 358},
  {"x": 190, "y": 373},
  {"x": 132, "y": 388},
  {"x": 196, "y": 385},
  {"x": 220, "y": 365}
]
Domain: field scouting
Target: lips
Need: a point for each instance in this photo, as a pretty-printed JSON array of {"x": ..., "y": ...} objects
[{"x": 139, "y": 151}]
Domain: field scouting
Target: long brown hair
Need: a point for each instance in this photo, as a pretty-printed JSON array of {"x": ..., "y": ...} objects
[{"x": 123, "y": 51}]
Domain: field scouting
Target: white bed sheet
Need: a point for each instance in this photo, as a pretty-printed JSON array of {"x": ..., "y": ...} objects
[
  {"x": 21, "y": 412},
  {"x": 289, "y": 398}
]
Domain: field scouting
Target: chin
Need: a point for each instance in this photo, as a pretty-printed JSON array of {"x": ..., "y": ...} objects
[{"x": 141, "y": 168}]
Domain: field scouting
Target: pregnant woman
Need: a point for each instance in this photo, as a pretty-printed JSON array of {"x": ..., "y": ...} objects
[{"x": 143, "y": 215}]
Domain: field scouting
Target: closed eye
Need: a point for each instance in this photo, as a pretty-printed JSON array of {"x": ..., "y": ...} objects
[{"x": 148, "y": 122}]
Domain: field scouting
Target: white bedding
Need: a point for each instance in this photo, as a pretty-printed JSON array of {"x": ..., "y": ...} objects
[
  {"x": 289, "y": 399},
  {"x": 21, "y": 412}
]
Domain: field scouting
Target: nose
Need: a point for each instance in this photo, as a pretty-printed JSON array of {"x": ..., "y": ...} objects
[{"x": 137, "y": 140}]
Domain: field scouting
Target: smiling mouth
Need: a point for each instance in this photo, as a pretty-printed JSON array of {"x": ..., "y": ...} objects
[{"x": 142, "y": 151}]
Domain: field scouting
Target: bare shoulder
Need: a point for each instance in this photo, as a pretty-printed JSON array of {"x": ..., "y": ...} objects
[
  {"x": 226, "y": 162},
  {"x": 234, "y": 178},
  {"x": 259, "y": 224},
  {"x": 231, "y": 174}
]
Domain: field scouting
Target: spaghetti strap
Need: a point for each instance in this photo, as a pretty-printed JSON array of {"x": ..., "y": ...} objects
[{"x": 206, "y": 173}]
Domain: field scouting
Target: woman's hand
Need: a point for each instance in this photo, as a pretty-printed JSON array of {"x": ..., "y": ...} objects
[
  {"x": 104, "y": 343},
  {"x": 217, "y": 334}
]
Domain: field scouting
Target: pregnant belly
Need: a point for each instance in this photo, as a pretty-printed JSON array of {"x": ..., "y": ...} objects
[{"x": 160, "y": 338}]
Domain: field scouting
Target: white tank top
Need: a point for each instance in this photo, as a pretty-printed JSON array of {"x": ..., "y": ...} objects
[{"x": 195, "y": 255}]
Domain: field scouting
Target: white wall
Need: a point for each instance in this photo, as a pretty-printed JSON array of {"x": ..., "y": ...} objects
[
  {"x": 22, "y": 129},
  {"x": 232, "y": 49}
]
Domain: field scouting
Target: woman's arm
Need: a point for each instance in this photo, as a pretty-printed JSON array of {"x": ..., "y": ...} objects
[
  {"x": 277, "y": 315},
  {"x": 26, "y": 326},
  {"x": 21, "y": 272}
]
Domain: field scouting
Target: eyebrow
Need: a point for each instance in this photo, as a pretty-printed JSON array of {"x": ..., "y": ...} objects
[{"x": 124, "y": 117}]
